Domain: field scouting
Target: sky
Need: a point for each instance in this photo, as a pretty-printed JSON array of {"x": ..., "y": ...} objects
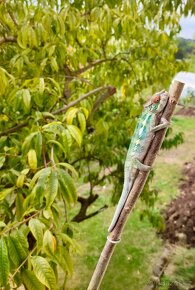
[{"x": 188, "y": 27}]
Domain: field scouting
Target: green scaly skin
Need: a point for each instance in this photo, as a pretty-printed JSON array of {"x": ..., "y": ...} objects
[{"x": 140, "y": 142}]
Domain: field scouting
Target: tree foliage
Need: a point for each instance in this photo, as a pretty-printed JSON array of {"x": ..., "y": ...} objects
[{"x": 73, "y": 76}]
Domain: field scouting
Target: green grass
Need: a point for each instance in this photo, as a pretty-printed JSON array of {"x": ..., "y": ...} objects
[
  {"x": 132, "y": 257},
  {"x": 131, "y": 265}
]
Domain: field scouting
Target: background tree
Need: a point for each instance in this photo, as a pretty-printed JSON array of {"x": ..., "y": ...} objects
[{"x": 73, "y": 76}]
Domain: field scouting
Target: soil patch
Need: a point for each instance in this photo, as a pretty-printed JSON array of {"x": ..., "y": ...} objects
[
  {"x": 186, "y": 111},
  {"x": 180, "y": 213}
]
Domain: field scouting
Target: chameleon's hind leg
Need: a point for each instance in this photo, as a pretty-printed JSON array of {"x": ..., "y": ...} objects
[
  {"x": 141, "y": 166},
  {"x": 164, "y": 124}
]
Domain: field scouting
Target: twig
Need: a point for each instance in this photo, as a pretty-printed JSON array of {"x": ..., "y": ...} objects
[
  {"x": 135, "y": 192},
  {"x": 92, "y": 64},
  {"x": 13, "y": 226},
  {"x": 73, "y": 103},
  {"x": 12, "y": 277},
  {"x": 91, "y": 214},
  {"x": 12, "y": 17},
  {"x": 96, "y": 212},
  {"x": 7, "y": 39},
  {"x": 111, "y": 91},
  {"x": 13, "y": 129}
]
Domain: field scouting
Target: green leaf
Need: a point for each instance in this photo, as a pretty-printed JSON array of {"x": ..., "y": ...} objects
[
  {"x": 4, "y": 263},
  {"x": 86, "y": 112},
  {"x": 56, "y": 86},
  {"x": 2, "y": 160},
  {"x": 16, "y": 252},
  {"x": 82, "y": 121},
  {"x": 26, "y": 97},
  {"x": 36, "y": 228},
  {"x": 48, "y": 115},
  {"x": 49, "y": 242},
  {"x": 30, "y": 281},
  {"x": 39, "y": 144},
  {"x": 41, "y": 173},
  {"x": 27, "y": 144},
  {"x": 22, "y": 239},
  {"x": 70, "y": 115},
  {"x": 25, "y": 171},
  {"x": 54, "y": 127},
  {"x": 63, "y": 259},
  {"x": 52, "y": 188},
  {"x": 54, "y": 64},
  {"x": 44, "y": 272},
  {"x": 3, "y": 80},
  {"x": 67, "y": 139},
  {"x": 67, "y": 240},
  {"x": 58, "y": 144},
  {"x": 69, "y": 167},
  {"x": 2, "y": 224},
  {"x": 68, "y": 189},
  {"x": 41, "y": 85},
  {"x": 19, "y": 206},
  {"x": 5, "y": 192},
  {"x": 38, "y": 191},
  {"x": 75, "y": 133},
  {"x": 32, "y": 159}
]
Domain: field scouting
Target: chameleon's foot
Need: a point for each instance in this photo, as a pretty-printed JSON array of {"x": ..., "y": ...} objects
[
  {"x": 141, "y": 166},
  {"x": 164, "y": 124},
  {"x": 145, "y": 167}
]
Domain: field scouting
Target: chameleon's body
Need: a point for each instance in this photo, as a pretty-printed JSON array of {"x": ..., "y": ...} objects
[{"x": 140, "y": 142}]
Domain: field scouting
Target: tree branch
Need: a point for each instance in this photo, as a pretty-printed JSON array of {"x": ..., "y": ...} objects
[
  {"x": 67, "y": 91},
  {"x": 94, "y": 213},
  {"x": 92, "y": 64},
  {"x": 13, "y": 18},
  {"x": 13, "y": 129},
  {"x": 85, "y": 203},
  {"x": 111, "y": 91},
  {"x": 7, "y": 39},
  {"x": 100, "y": 61},
  {"x": 63, "y": 109},
  {"x": 22, "y": 264},
  {"x": 73, "y": 103}
]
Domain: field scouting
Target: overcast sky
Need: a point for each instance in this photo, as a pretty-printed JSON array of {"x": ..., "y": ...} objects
[{"x": 188, "y": 27}]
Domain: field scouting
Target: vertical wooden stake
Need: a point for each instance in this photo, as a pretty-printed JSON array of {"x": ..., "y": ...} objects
[{"x": 135, "y": 192}]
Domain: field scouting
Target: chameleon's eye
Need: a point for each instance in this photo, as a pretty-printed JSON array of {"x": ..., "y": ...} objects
[{"x": 156, "y": 99}]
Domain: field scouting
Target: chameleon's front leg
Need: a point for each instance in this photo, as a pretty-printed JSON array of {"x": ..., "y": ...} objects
[{"x": 163, "y": 124}]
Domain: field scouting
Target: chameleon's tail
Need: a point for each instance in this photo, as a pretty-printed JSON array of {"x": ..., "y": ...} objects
[{"x": 120, "y": 205}]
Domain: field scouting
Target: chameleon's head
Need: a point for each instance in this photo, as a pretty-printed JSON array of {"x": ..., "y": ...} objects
[{"x": 157, "y": 102}]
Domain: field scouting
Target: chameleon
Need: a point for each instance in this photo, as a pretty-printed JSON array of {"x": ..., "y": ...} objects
[{"x": 140, "y": 142}]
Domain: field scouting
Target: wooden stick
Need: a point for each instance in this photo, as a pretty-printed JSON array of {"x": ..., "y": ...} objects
[{"x": 135, "y": 192}]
